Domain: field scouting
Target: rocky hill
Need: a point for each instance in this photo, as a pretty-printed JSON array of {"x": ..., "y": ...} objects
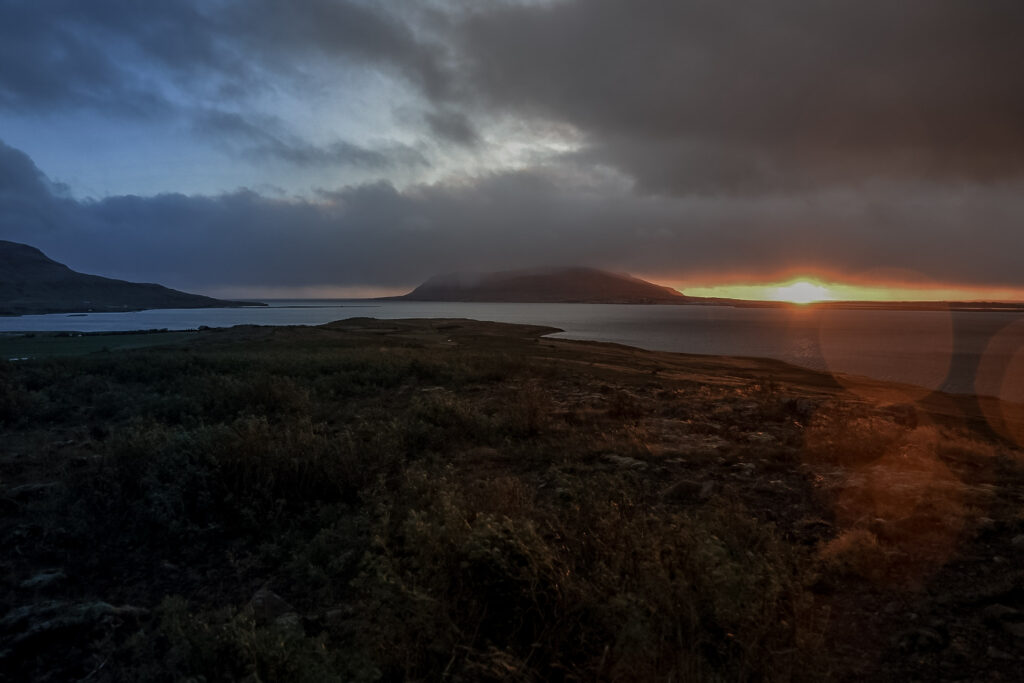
[
  {"x": 548, "y": 285},
  {"x": 30, "y": 282}
]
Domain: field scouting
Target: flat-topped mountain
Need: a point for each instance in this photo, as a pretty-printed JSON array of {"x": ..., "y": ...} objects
[
  {"x": 30, "y": 282},
  {"x": 545, "y": 285}
]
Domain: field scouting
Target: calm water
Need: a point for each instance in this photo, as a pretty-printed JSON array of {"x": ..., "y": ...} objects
[{"x": 961, "y": 352}]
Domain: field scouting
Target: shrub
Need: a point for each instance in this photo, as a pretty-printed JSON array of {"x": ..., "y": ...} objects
[{"x": 609, "y": 587}]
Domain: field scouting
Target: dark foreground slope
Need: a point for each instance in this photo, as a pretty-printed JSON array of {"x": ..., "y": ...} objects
[
  {"x": 450, "y": 500},
  {"x": 32, "y": 283},
  {"x": 549, "y": 285}
]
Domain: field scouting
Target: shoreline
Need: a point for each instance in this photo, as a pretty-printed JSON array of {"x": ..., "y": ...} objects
[{"x": 73, "y": 343}]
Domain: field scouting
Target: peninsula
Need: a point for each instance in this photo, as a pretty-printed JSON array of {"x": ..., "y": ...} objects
[{"x": 30, "y": 283}]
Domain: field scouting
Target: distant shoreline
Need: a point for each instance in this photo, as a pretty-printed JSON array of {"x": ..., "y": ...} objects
[
  {"x": 7, "y": 313},
  {"x": 957, "y": 306},
  {"x": 966, "y": 306}
]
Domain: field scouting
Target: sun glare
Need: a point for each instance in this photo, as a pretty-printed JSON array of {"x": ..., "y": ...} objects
[
  {"x": 806, "y": 289},
  {"x": 801, "y": 292}
]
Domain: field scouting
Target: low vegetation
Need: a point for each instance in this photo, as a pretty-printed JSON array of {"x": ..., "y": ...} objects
[{"x": 448, "y": 500}]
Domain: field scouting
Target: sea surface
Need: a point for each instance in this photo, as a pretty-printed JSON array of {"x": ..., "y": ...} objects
[{"x": 962, "y": 352}]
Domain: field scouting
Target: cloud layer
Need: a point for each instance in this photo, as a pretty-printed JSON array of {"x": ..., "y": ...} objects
[
  {"x": 681, "y": 139},
  {"x": 377, "y": 235},
  {"x": 701, "y": 96}
]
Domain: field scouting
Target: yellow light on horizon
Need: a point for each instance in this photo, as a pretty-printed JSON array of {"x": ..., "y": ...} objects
[
  {"x": 801, "y": 292},
  {"x": 808, "y": 289}
]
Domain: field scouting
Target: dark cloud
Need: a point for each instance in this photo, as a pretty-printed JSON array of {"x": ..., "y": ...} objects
[
  {"x": 379, "y": 235},
  {"x": 682, "y": 95},
  {"x": 182, "y": 60},
  {"x": 703, "y": 96},
  {"x": 48, "y": 59},
  {"x": 452, "y": 126},
  {"x": 29, "y": 202},
  {"x": 111, "y": 54},
  {"x": 337, "y": 29},
  {"x": 269, "y": 139},
  {"x": 20, "y": 177}
]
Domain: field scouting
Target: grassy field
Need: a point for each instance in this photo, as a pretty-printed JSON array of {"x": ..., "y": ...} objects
[
  {"x": 453, "y": 500},
  {"x": 19, "y": 345}
]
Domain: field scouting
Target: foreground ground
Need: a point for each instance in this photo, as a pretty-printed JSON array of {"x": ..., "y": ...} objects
[{"x": 451, "y": 500}]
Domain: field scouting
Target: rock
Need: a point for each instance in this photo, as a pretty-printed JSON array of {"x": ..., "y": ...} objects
[
  {"x": 762, "y": 438},
  {"x": 45, "y": 578},
  {"x": 267, "y": 606},
  {"x": 707, "y": 490},
  {"x": 1018, "y": 541}
]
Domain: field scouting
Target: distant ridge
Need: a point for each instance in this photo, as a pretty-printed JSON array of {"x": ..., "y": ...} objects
[
  {"x": 30, "y": 282},
  {"x": 545, "y": 285}
]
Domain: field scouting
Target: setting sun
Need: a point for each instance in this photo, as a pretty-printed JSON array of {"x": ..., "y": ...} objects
[{"x": 801, "y": 292}]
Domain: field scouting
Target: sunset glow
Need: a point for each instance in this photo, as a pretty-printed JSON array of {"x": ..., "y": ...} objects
[
  {"x": 810, "y": 289},
  {"x": 801, "y": 292}
]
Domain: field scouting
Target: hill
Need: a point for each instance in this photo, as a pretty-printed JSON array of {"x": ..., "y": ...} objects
[
  {"x": 30, "y": 282},
  {"x": 547, "y": 285}
]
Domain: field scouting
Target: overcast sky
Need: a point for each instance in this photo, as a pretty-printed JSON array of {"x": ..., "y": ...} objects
[{"x": 247, "y": 145}]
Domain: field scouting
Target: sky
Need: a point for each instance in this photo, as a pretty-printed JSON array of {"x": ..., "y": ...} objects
[{"x": 349, "y": 147}]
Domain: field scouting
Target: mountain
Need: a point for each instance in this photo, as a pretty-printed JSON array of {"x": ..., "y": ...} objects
[
  {"x": 547, "y": 285},
  {"x": 32, "y": 283}
]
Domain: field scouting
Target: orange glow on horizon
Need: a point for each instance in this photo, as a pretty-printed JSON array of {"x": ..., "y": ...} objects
[
  {"x": 801, "y": 292},
  {"x": 805, "y": 289}
]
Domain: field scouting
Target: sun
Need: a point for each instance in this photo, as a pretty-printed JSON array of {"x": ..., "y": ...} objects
[{"x": 801, "y": 292}]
